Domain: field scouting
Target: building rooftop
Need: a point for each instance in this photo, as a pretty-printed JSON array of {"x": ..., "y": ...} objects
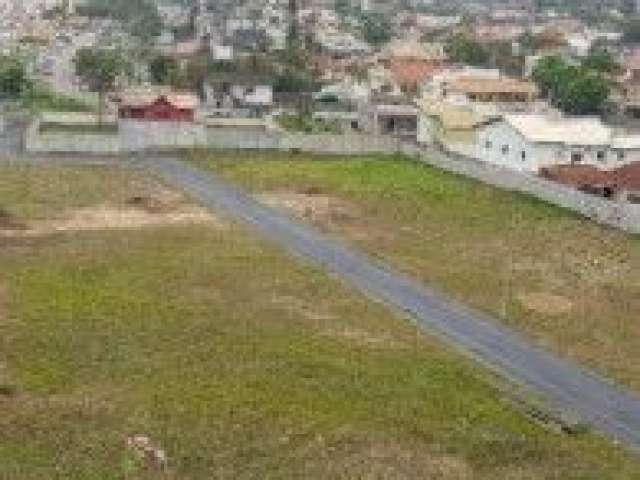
[
  {"x": 452, "y": 117},
  {"x": 147, "y": 96},
  {"x": 569, "y": 130},
  {"x": 474, "y": 84}
]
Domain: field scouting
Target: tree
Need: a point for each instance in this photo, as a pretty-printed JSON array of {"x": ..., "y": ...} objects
[
  {"x": 586, "y": 94},
  {"x": 343, "y": 8},
  {"x": 140, "y": 17},
  {"x": 375, "y": 27},
  {"x": 163, "y": 70},
  {"x": 549, "y": 74},
  {"x": 601, "y": 60},
  {"x": 462, "y": 49},
  {"x": 631, "y": 30},
  {"x": 13, "y": 77},
  {"x": 574, "y": 90},
  {"x": 100, "y": 69}
]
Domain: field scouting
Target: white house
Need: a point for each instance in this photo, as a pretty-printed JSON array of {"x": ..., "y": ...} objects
[
  {"x": 529, "y": 142},
  {"x": 221, "y": 52}
]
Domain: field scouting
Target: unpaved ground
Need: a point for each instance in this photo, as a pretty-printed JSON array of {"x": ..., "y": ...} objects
[
  {"x": 317, "y": 208},
  {"x": 327, "y": 212},
  {"x": 545, "y": 303},
  {"x": 153, "y": 206}
]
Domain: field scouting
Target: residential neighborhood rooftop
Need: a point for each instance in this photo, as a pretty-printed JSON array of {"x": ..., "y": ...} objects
[{"x": 568, "y": 130}]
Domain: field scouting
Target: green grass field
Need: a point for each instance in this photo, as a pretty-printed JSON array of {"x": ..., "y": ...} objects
[
  {"x": 570, "y": 284},
  {"x": 236, "y": 360}
]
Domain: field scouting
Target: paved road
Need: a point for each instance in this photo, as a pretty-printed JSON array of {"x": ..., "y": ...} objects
[
  {"x": 564, "y": 385},
  {"x": 11, "y": 133}
]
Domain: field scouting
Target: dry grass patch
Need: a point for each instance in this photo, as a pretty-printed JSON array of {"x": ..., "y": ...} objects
[
  {"x": 367, "y": 457},
  {"x": 133, "y": 201},
  {"x": 545, "y": 303},
  {"x": 364, "y": 338},
  {"x": 106, "y": 217},
  {"x": 318, "y": 208},
  {"x": 327, "y": 212}
]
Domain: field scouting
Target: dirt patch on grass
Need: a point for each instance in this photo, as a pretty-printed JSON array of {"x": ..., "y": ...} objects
[
  {"x": 155, "y": 198},
  {"x": 9, "y": 222},
  {"x": 328, "y": 213},
  {"x": 105, "y": 217},
  {"x": 315, "y": 207},
  {"x": 362, "y": 337},
  {"x": 300, "y": 307},
  {"x": 381, "y": 459},
  {"x": 545, "y": 303},
  {"x": 137, "y": 212}
]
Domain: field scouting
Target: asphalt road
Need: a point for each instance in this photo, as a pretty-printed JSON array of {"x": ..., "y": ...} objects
[
  {"x": 563, "y": 385},
  {"x": 11, "y": 134}
]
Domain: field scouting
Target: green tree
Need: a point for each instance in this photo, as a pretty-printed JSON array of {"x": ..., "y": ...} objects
[
  {"x": 376, "y": 28},
  {"x": 463, "y": 49},
  {"x": 631, "y": 30},
  {"x": 574, "y": 90},
  {"x": 601, "y": 60},
  {"x": 586, "y": 94},
  {"x": 140, "y": 17},
  {"x": 13, "y": 77},
  {"x": 163, "y": 70},
  {"x": 343, "y": 8},
  {"x": 549, "y": 74},
  {"x": 100, "y": 69}
]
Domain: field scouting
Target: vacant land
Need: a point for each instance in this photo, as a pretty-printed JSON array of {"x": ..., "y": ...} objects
[
  {"x": 227, "y": 357},
  {"x": 571, "y": 285}
]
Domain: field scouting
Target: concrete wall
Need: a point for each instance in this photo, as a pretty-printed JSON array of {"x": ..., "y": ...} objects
[
  {"x": 93, "y": 143},
  {"x": 139, "y": 136},
  {"x": 136, "y": 135},
  {"x": 621, "y": 215},
  {"x": 274, "y": 140},
  {"x": 618, "y": 214}
]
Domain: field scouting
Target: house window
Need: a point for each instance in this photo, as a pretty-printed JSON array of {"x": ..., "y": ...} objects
[
  {"x": 488, "y": 144},
  {"x": 505, "y": 149},
  {"x": 600, "y": 156},
  {"x": 523, "y": 155},
  {"x": 576, "y": 157},
  {"x": 620, "y": 155},
  {"x": 354, "y": 125}
]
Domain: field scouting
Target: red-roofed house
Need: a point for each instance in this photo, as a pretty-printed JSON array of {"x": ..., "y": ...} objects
[
  {"x": 149, "y": 106},
  {"x": 410, "y": 63}
]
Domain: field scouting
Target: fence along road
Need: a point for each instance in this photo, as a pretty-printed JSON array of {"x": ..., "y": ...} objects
[{"x": 563, "y": 385}]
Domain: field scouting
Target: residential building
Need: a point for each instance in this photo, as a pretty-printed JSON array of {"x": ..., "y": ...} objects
[
  {"x": 451, "y": 126},
  {"x": 398, "y": 120},
  {"x": 157, "y": 106},
  {"x": 530, "y": 142}
]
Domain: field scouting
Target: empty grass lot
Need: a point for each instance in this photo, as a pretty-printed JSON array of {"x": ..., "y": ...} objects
[
  {"x": 570, "y": 284},
  {"x": 234, "y": 359}
]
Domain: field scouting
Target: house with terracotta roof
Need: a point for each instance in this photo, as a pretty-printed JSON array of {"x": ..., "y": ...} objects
[
  {"x": 159, "y": 105},
  {"x": 158, "y": 118},
  {"x": 410, "y": 63},
  {"x": 489, "y": 89}
]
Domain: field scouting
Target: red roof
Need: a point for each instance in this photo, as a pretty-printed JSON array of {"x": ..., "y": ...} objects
[
  {"x": 628, "y": 177},
  {"x": 410, "y": 74},
  {"x": 623, "y": 178}
]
